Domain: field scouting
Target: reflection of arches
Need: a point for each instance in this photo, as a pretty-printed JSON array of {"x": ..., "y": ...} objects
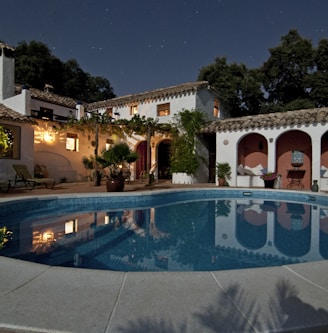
[
  {"x": 323, "y": 240},
  {"x": 249, "y": 235},
  {"x": 286, "y": 143},
  {"x": 323, "y": 244},
  {"x": 163, "y": 159},
  {"x": 292, "y": 243},
  {"x": 253, "y": 150},
  {"x": 141, "y": 163}
]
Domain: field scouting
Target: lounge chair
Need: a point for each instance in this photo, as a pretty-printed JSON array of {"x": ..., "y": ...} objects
[
  {"x": 24, "y": 176},
  {"x": 4, "y": 186}
]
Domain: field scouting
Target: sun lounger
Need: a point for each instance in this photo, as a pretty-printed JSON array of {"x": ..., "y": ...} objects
[
  {"x": 24, "y": 176},
  {"x": 4, "y": 186}
]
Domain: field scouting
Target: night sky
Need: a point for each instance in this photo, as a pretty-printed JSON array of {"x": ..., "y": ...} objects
[{"x": 148, "y": 44}]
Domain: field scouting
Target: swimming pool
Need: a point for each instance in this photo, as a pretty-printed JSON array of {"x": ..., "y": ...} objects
[{"x": 220, "y": 229}]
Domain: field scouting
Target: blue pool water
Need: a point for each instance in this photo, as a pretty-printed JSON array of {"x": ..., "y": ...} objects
[{"x": 196, "y": 230}]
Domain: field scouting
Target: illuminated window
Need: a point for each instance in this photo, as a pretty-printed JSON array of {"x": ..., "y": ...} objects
[
  {"x": 216, "y": 110},
  {"x": 109, "y": 112},
  {"x": 71, "y": 227},
  {"x": 133, "y": 109},
  {"x": 163, "y": 109},
  {"x": 10, "y": 141},
  {"x": 72, "y": 142}
]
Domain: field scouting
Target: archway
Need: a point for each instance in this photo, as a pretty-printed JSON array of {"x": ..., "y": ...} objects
[
  {"x": 288, "y": 143},
  {"x": 163, "y": 159},
  {"x": 253, "y": 150}
]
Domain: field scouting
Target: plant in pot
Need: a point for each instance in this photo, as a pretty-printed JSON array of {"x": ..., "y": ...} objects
[
  {"x": 269, "y": 179},
  {"x": 223, "y": 172},
  {"x": 115, "y": 159}
]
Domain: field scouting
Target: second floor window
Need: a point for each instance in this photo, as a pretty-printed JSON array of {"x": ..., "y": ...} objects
[
  {"x": 109, "y": 112},
  {"x": 133, "y": 109},
  {"x": 216, "y": 110},
  {"x": 163, "y": 110}
]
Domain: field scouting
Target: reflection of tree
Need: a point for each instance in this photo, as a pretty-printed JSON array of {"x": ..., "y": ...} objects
[
  {"x": 188, "y": 226},
  {"x": 222, "y": 207}
]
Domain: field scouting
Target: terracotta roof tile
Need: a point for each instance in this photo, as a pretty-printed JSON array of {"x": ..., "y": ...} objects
[
  {"x": 177, "y": 90},
  {"x": 270, "y": 120},
  {"x": 11, "y": 115},
  {"x": 50, "y": 97}
]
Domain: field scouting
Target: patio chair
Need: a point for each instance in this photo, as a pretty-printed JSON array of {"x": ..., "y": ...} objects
[{"x": 24, "y": 176}]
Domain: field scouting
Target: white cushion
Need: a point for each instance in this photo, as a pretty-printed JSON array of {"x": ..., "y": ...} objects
[
  {"x": 258, "y": 170},
  {"x": 248, "y": 171},
  {"x": 240, "y": 170}
]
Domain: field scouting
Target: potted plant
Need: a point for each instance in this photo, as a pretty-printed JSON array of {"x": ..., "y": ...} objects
[
  {"x": 116, "y": 159},
  {"x": 223, "y": 172},
  {"x": 269, "y": 179}
]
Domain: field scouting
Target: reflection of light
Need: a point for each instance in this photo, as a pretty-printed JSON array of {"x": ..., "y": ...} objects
[
  {"x": 106, "y": 219},
  {"x": 71, "y": 226},
  {"x": 47, "y": 237}
]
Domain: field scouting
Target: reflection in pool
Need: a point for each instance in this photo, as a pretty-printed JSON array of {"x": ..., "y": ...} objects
[{"x": 189, "y": 236}]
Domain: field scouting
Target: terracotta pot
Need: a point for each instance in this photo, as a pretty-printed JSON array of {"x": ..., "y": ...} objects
[{"x": 222, "y": 182}]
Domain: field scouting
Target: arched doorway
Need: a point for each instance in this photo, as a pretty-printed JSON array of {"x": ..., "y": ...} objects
[
  {"x": 163, "y": 159},
  {"x": 288, "y": 143}
]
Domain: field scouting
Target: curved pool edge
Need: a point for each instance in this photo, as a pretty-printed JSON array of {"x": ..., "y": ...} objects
[{"x": 40, "y": 298}]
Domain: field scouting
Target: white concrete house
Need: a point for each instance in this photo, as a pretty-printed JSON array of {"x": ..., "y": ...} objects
[
  {"x": 61, "y": 151},
  {"x": 162, "y": 104},
  {"x": 279, "y": 142}
]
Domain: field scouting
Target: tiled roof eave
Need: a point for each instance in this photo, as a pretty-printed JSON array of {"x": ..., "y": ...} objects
[
  {"x": 158, "y": 94},
  {"x": 270, "y": 120},
  {"x": 14, "y": 116}
]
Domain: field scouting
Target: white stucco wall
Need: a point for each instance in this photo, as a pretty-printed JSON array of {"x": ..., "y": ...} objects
[
  {"x": 227, "y": 146},
  {"x": 26, "y": 152}
]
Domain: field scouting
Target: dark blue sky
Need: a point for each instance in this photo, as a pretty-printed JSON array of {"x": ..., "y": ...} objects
[{"x": 141, "y": 45}]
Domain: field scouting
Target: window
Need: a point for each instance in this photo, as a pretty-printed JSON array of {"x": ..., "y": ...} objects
[
  {"x": 10, "y": 141},
  {"x": 72, "y": 142},
  {"x": 109, "y": 112},
  {"x": 216, "y": 110},
  {"x": 133, "y": 109},
  {"x": 163, "y": 109},
  {"x": 43, "y": 113}
]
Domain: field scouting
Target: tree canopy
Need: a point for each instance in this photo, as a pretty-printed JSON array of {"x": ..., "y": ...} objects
[
  {"x": 36, "y": 67},
  {"x": 294, "y": 77}
]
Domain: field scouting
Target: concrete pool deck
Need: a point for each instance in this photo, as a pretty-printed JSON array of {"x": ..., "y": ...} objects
[{"x": 39, "y": 298}]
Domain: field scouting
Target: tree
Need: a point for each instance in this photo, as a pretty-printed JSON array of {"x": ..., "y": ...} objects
[
  {"x": 318, "y": 82},
  {"x": 238, "y": 87},
  {"x": 184, "y": 158},
  {"x": 285, "y": 74},
  {"x": 36, "y": 67}
]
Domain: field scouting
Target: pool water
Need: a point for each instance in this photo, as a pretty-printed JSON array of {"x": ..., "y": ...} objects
[{"x": 194, "y": 235}]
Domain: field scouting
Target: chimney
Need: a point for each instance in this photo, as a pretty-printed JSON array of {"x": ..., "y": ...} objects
[
  {"x": 7, "y": 71},
  {"x": 48, "y": 88},
  {"x": 79, "y": 110}
]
